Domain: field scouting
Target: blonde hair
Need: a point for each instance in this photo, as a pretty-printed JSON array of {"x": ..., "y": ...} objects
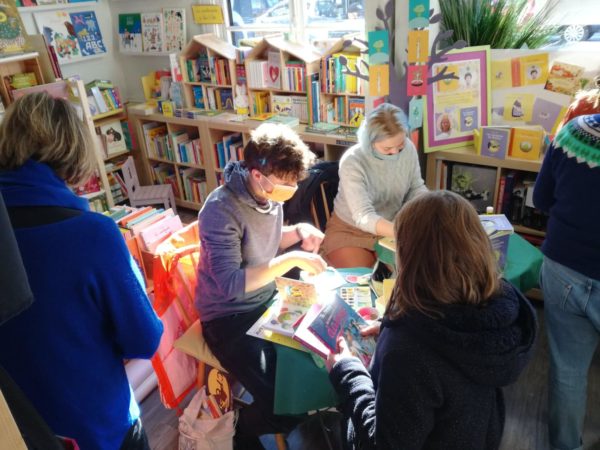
[
  {"x": 46, "y": 129},
  {"x": 383, "y": 122},
  {"x": 591, "y": 95},
  {"x": 443, "y": 256}
]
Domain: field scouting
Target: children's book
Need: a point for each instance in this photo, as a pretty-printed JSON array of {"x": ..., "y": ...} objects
[
  {"x": 526, "y": 142},
  {"x": 273, "y": 70},
  {"x": 88, "y": 33},
  {"x": 174, "y": 19},
  {"x": 290, "y": 121},
  {"x": 337, "y": 318},
  {"x": 59, "y": 32},
  {"x": 564, "y": 78},
  {"x": 112, "y": 134},
  {"x": 494, "y": 142},
  {"x": 152, "y": 32},
  {"x": 12, "y": 31},
  {"x": 305, "y": 337},
  {"x": 130, "y": 32}
]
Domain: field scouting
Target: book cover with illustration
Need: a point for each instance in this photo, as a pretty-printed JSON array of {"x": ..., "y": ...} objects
[
  {"x": 564, "y": 78},
  {"x": 130, "y": 32},
  {"x": 475, "y": 183},
  {"x": 174, "y": 20},
  {"x": 273, "y": 70},
  {"x": 88, "y": 33},
  {"x": 337, "y": 318},
  {"x": 12, "y": 31},
  {"x": 112, "y": 137},
  {"x": 526, "y": 142},
  {"x": 59, "y": 32},
  {"x": 494, "y": 142},
  {"x": 152, "y": 32}
]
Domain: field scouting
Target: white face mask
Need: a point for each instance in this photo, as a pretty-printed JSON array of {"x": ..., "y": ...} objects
[{"x": 280, "y": 192}]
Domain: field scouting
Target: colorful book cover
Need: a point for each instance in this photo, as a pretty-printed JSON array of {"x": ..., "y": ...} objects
[
  {"x": 88, "y": 33},
  {"x": 112, "y": 133},
  {"x": 130, "y": 32},
  {"x": 12, "y": 31},
  {"x": 174, "y": 20},
  {"x": 59, "y": 32},
  {"x": 564, "y": 78},
  {"x": 273, "y": 70},
  {"x": 152, "y": 32},
  {"x": 494, "y": 142},
  {"x": 337, "y": 318},
  {"x": 356, "y": 111},
  {"x": 526, "y": 143}
]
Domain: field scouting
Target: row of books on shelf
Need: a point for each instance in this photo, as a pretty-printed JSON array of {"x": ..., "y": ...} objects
[
  {"x": 177, "y": 146},
  {"x": 523, "y": 142},
  {"x": 230, "y": 148},
  {"x": 19, "y": 81},
  {"x": 291, "y": 105},
  {"x": 334, "y": 79},
  {"x": 212, "y": 98},
  {"x": 311, "y": 314},
  {"x": 165, "y": 174},
  {"x": 515, "y": 200},
  {"x": 103, "y": 97},
  {"x": 194, "y": 185},
  {"x": 208, "y": 69}
]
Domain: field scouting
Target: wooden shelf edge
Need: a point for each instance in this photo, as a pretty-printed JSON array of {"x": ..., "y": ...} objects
[
  {"x": 527, "y": 230},
  {"x": 111, "y": 113}
]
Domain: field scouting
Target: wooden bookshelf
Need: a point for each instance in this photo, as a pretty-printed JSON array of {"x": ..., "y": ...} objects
[
  {"x": 278, "y": 73},
  {"x": 18, "y": 64},
  {"x": 211, "y": 131},
  {"x": 342, "y": 96},
  {"x": 525, "y": 170},
  {"x": 208, "y": 67}
]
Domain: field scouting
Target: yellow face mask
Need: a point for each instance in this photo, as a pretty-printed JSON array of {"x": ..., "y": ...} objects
[{"x": 280, "y": 193}]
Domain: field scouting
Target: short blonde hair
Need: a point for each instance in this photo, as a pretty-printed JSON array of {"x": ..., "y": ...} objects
[
  {"x": 384, "y": 122},
  {"x": 46, "y": 129}
]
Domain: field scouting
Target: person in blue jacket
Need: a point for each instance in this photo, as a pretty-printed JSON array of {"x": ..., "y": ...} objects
[
  {"x": 453, "y": 334},
  {"x": 66, "y": 352},
  {"x": 570, "y": 277}
]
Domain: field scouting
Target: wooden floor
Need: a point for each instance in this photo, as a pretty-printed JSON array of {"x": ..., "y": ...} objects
[{"x": 525, "y": 413}]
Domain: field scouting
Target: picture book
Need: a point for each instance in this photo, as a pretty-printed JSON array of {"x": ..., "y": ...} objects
[
  {"x": 526, "y": 142},
  {"x": 258, "y": 330},
  {"x": 356, "y": 111},
  {"x": 174, "y": 20},
  {"x": 12, "y": 31},
  {"x": 59, "y": 32},
  {"x": 88, "y": 33},
  {"x": 475, "y": 183},
  {"x": 130, "y": 32},
  {"x": 112, "y": 137},
  {"x": 290, "y": 121},
  {"x": 494, "y": 142},
  {"x": 305, "y": 337},
  {"x": 337, "y": 318},
  {"x": 322, "y": 128},
  {"x": 564, "y": 78},
  {"x": 273, "y": 70},
  {"x": 152, "y": 32}
]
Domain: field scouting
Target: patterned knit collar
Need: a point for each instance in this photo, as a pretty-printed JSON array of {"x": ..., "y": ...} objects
[{"x": 580, "y": 139}]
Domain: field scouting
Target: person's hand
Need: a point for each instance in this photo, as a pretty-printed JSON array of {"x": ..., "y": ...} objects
[
  {"x": 310, "y": 236},
  {"x": 342, "y": 352},
  {"x": 312, "y": 263},
  {"x": 372, "y": 329}
]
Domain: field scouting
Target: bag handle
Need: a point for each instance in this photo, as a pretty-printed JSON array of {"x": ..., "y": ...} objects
[{"x": 193, "y": 409}]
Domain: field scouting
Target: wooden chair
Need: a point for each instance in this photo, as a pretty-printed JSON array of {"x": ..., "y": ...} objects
[
  {"x": 321, "y": 203},
  {"x": 146, "y": 195}
]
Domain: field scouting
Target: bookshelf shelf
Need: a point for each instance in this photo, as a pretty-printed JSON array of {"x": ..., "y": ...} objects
[
  {"x": 117, "y": 155},
  {"x": 107, "y": 114},
  {"x": 521, "y": 174}
]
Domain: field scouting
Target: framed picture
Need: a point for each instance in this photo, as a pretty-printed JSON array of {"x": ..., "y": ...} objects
[{"x": 458, "y": 104}]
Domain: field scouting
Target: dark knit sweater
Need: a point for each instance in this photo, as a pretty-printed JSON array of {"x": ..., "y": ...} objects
[
  {"x": 567, "y": 188},
  {"x": 435, "y": 383}
]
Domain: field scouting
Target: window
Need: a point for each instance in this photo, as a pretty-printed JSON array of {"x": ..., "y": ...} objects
[
  {"x": 578, "y": 24},
  {"x": 303, "y": 20}
]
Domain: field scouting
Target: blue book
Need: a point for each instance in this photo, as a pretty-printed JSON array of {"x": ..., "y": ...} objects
[
  {"x": 88, "y": 33},
  {"x": 337, "y": 318}
]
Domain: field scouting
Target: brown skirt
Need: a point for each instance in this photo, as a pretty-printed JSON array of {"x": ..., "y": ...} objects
[{"x": 339, "y": 234}]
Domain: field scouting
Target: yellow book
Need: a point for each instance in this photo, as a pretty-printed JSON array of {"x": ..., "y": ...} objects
[{"x": 526, "y": 143}]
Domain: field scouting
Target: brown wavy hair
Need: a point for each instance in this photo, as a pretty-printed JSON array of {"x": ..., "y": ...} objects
[
  {"x": 277, "y": 149},
  {"x": 443, "y": 256},
  {"x": 46, "y": 129}
]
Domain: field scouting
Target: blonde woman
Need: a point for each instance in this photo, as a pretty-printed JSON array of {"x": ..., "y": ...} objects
[
  {"x": 90, "y": 309},
  {"x": 377, "y": 176},
  {"x": 452, "y": 336},
  {"x": 586, "y": 102}
]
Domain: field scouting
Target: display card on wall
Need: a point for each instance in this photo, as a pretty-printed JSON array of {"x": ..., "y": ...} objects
[
  {"x": 174, "y": 19},
  {"x": 130, "y": 32},
  {"x": 88, "y": 33},
  {"x": 152, "y": 32},
  {"x": 59, "y": 32}
]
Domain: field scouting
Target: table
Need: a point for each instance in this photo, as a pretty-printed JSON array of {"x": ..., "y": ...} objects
[
  {"x": 523, "y": 262},
  {"x": 302, "y": 386}
]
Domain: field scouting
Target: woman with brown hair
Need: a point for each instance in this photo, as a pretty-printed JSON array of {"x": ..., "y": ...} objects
[
  {"x": 453, "y": 334},
  {"x": 377, "y": 176}
]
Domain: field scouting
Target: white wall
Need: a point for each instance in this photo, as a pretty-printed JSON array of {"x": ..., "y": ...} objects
[{"x": 124, "y": 70}]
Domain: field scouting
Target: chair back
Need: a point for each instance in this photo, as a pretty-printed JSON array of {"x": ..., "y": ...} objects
[{"x": 130, "y": 177}]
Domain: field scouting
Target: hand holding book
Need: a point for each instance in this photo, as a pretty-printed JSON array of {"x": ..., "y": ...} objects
[{"x": 343, "y": 351}]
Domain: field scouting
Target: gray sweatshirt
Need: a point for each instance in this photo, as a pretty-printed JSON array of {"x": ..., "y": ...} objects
[
  {"x": 235, "y": 233},
  {"x": 372, "y": 188}
]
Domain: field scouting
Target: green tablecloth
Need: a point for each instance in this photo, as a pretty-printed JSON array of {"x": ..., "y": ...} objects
[
  {"x": 523, "y": 262},
  {"x": 301, "y": 386}
]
